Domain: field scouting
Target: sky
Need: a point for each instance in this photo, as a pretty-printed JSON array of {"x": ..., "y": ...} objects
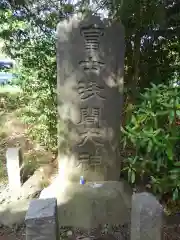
[{"x": 93, "y": 6}]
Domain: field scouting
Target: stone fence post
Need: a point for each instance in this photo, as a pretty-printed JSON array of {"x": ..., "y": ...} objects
[
  {"x": 13, "y": 162},
  {"x": 41, "y": 220},
  {"x": 146, "y": 217}
]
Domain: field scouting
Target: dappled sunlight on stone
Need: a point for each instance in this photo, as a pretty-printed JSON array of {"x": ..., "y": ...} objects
[{"x": 60, "y": 183}]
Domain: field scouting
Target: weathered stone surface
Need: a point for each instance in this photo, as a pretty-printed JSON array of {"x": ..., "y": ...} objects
[
  {"x": 41, "y": 219},
  {"x": 90, "y": 60},
  {"x": 87, "y": 206},
  {"x": 14, "y": 161},
  {"x": 13, "y": 208},
  {"x": 13, "y": 212},
  {"x": 146, "y": 217}
]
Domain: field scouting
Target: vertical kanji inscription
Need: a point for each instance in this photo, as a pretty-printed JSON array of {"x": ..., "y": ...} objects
[
  {"x": 93, "y": 62},
  {"x": 90, "y": 57}
]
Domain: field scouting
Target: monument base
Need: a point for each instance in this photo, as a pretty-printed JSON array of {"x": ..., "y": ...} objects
[{"x": 93, "y": 204}]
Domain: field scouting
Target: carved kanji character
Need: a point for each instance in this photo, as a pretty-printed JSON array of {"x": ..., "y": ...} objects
[
  {"x": 90, "y": 117},
  {"x": 91, "y": 64},
  {"x": 90, "y": 120},
  {"x": 90, "y": 89},
  {"x": 92, "y": 34},
  {"x": 90, "y": 159}
]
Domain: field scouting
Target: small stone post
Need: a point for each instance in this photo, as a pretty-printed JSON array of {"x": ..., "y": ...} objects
[
  {"x": 41, "y": 220},
  {"x": 13, "y": 163},
  {"x": 146, "y": 217}
]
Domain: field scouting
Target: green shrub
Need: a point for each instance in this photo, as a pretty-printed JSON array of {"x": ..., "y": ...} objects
[
  {"x": 9, "y": 101},
  {"x": 37, "y": 78},
  {"x": 153, "y": 132}
]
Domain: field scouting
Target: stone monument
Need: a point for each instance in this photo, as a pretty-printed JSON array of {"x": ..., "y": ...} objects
[{"x": 90, "y": 62}]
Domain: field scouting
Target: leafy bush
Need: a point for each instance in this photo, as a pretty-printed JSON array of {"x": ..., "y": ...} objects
[
  {"x": 37, "y": 78},
  {"x": 32, "y": 45},
  {"x": 153, "y": 131}
]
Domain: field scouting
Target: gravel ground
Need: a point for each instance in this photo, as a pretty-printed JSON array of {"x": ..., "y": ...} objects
[
  {"x": 15, "y": 233},
  {"x": 67, "y": 233}
]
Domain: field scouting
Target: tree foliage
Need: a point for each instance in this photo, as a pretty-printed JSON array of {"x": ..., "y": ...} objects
[
  {"x": 153, "y": 131},
  {"x": 28, "y": 31}
]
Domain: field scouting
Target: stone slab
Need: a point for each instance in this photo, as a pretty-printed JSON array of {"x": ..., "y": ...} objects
[{"x": 14, "y": 212}]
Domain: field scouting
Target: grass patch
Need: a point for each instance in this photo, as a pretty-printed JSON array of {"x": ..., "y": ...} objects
[
  {"x": 9, "y": 98},
  {"x": 172, "y": 207},
  {"x": 3, "y": 136},
  {"x": 29, "y": 167},
  {"x": 3, "y": 173},
  {"x": 10, "y": 89}
]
